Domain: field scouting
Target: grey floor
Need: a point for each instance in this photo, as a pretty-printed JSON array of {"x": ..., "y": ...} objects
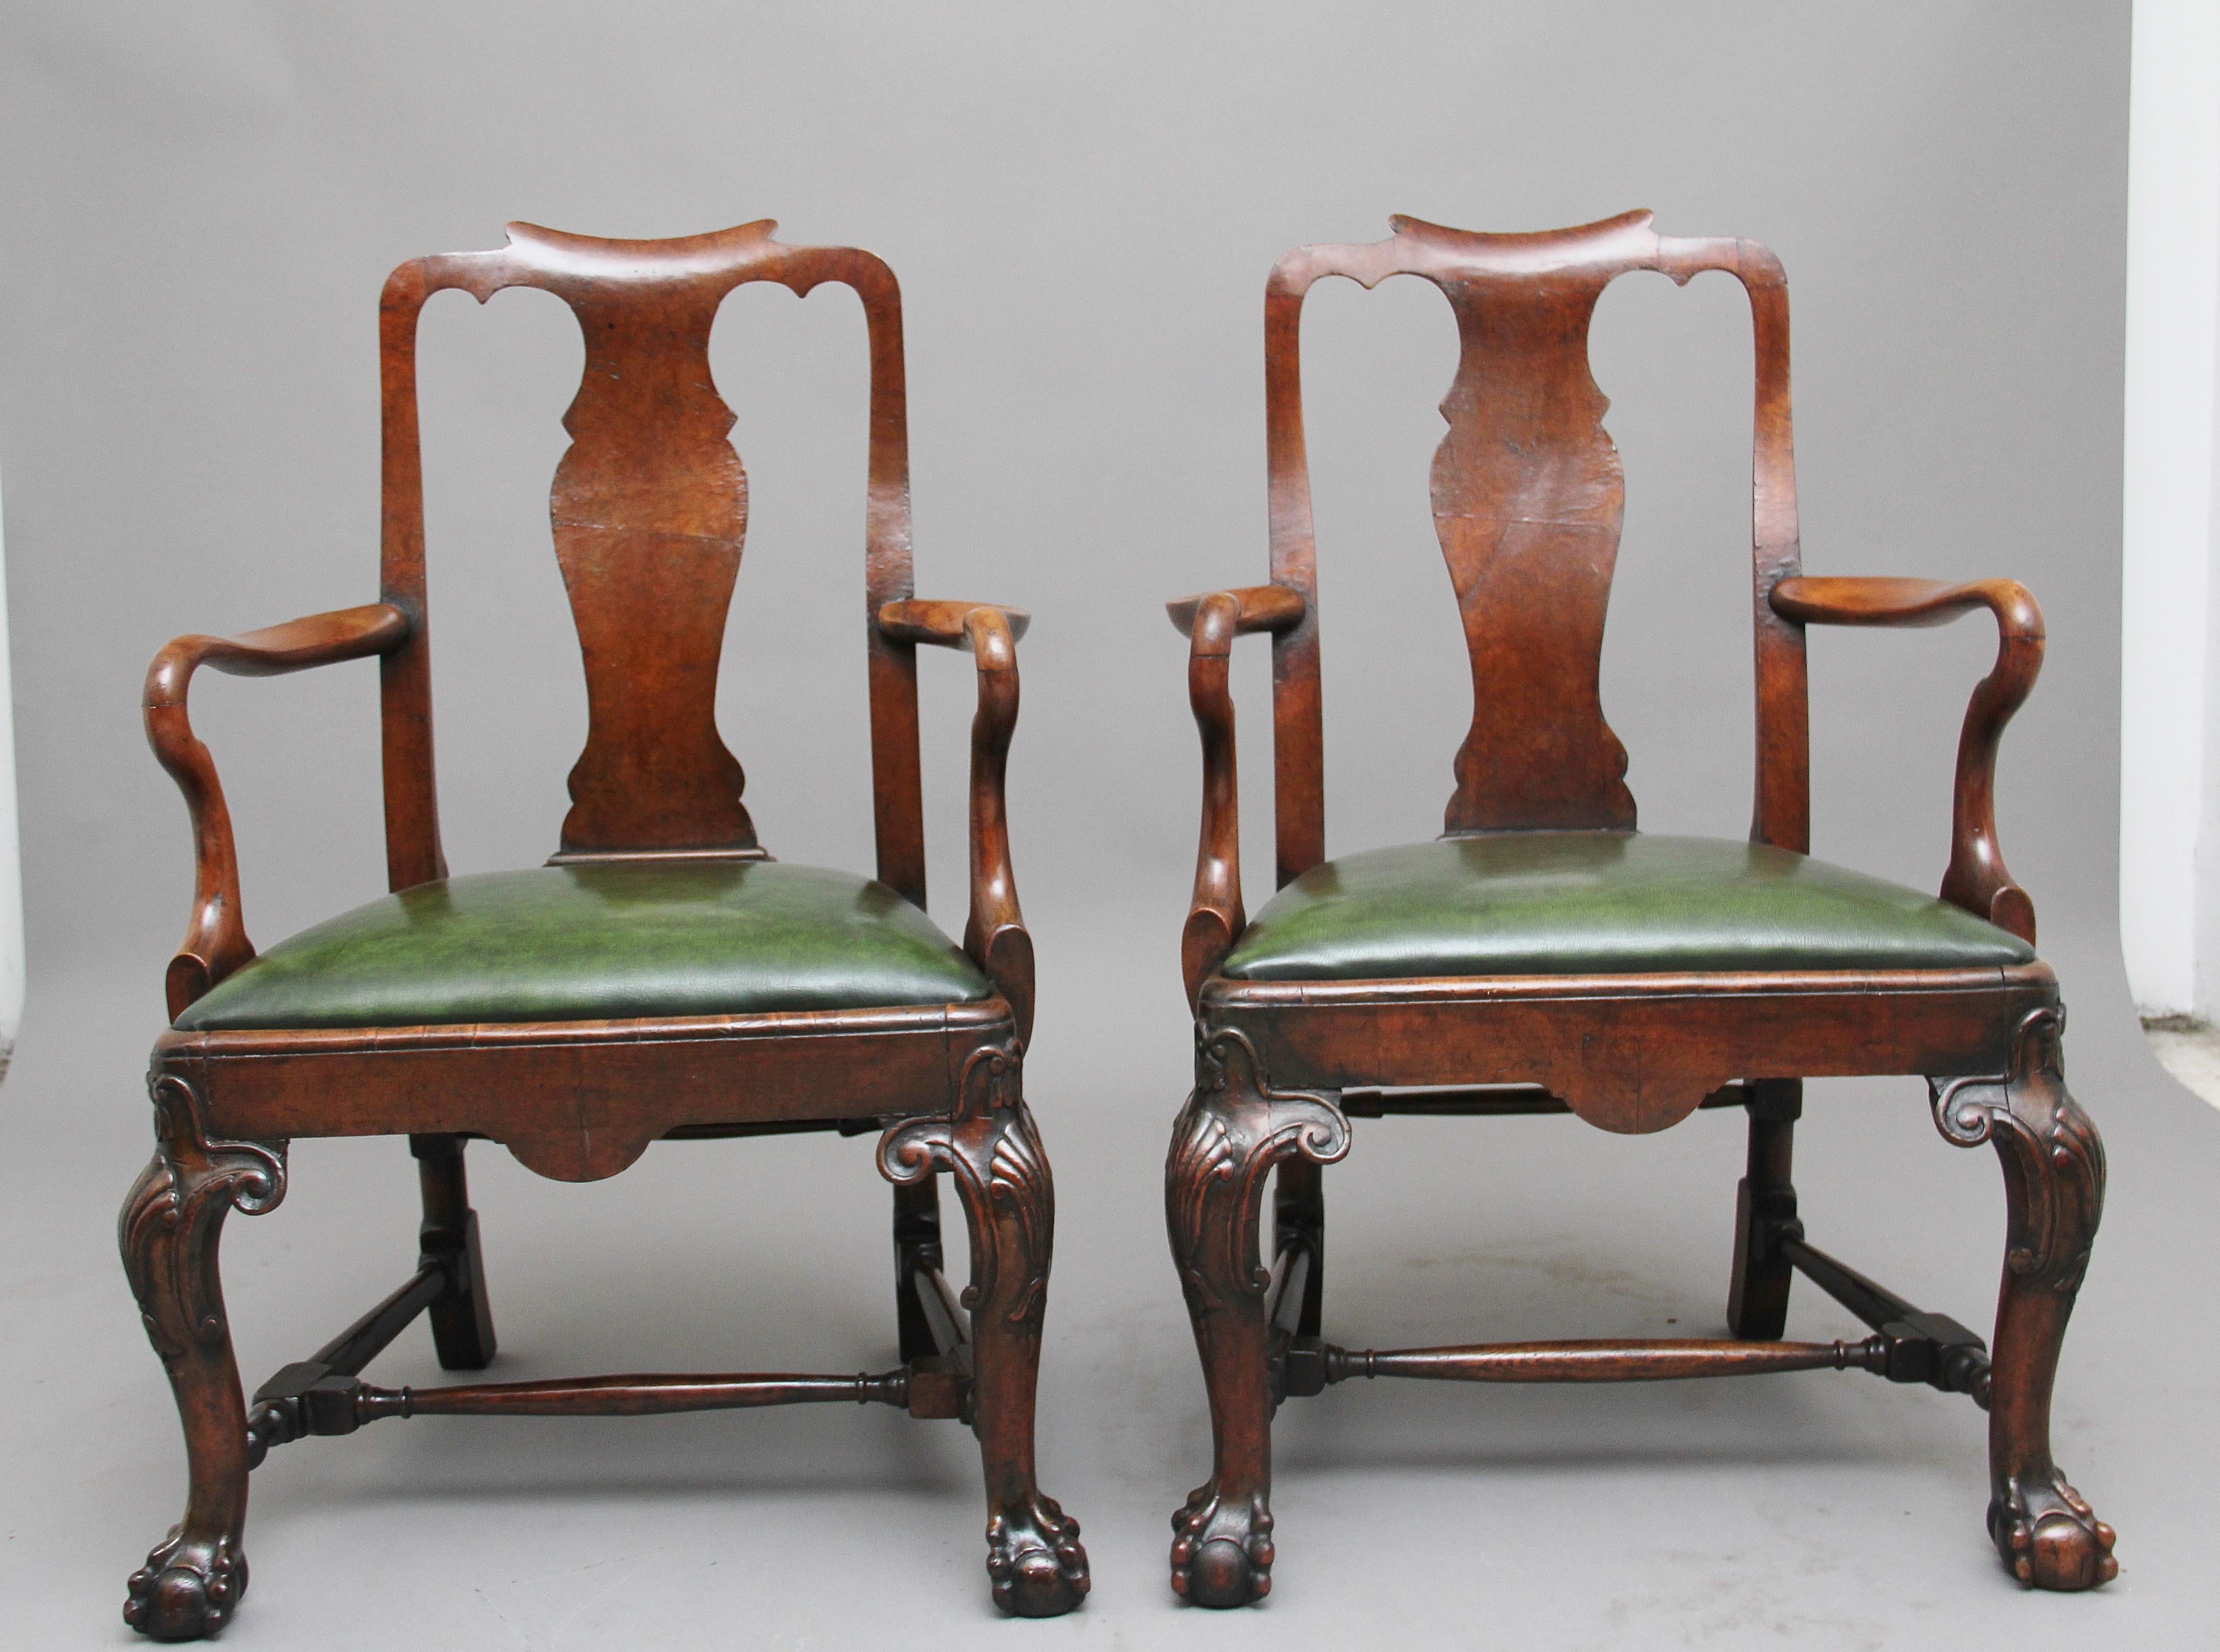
[
  {"x": 2190, "y": 1050},
  {"x": 1821, "y": 1510}
]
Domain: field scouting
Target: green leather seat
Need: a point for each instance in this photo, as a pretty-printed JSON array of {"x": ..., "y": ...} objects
[
  {"x": 1581, "y": 903},
  {"x": 590, "y": 943}
]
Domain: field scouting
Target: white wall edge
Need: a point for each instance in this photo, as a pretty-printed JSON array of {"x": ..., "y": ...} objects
[
  {"x": 12, "y": 972},
  {"x": 2173, "y": 303}
]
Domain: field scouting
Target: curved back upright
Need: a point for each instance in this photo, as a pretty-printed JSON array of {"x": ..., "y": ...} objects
[
  {"x": 650, "y": 511},
  {"x": 1528, "y": 500}
]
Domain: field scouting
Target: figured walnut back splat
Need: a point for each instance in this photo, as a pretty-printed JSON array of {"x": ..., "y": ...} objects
[
  {"x": 650, "y": 511},
  {"x": 1528, "y": 500}
]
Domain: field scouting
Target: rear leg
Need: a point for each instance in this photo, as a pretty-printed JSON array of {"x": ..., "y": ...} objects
[
  {"x": 1765, "y": 1213},
  {"x": 462, "y": 1317},
  {"x": 1299, "y": 1223},
  {"x": 917, "y": 1251}
]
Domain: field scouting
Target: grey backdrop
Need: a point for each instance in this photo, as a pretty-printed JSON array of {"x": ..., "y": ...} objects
[{"x": 1082, "y": 204}]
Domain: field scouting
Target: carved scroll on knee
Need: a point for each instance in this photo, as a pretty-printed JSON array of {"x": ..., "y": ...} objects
[
  {"x": 167, "y": 1230},
  {"x": 2053, "y": 1161},
  {"x": 992, "y": 1149}
]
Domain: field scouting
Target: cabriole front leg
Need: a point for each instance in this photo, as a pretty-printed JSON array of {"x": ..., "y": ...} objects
[
  {"x": 169, "y": 1233},
  {"x": 993, "y": 1153},
  {"x": 2054, "y": 1166},
  {"x": 1233, "y": 1130}
]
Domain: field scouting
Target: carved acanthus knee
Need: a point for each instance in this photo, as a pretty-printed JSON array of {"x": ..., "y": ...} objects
[
  {"x": 171, "y": 1219},
  {"x": 1234, "y": 1129},
  {"x": 2053, "y": 1161},
  {"x": 992, "y": 1150}
]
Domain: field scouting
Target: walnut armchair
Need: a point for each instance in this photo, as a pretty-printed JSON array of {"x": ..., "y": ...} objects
[
  {"x": 1542, "y": 956},
  {"x": 661, "y": 977}
]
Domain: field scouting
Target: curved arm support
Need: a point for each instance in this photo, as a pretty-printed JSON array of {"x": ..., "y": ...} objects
[
  {"x": 216, "y": 941},
  {"x": 1215, "y": 919},
  {"x": 995, "y": 935},
  {"x": 1978, "y": 879}
]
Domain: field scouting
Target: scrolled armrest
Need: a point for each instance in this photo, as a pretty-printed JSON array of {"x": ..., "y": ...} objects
[
  {"x": 1861, "y": 601},
  {"x": 216, "y": 941},
  {"x": 1211, "y": 622},
  {"x": 945, "y": 625},
  {"x": 994, "y": 934},
  {"x": 1978, "y": 879},
  {"x": 1256, "y": 608}
]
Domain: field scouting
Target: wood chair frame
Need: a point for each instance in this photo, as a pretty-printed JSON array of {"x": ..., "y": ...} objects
[
  {"x": 1527, "y": 500},
  {"x": 649, "y": 511}
]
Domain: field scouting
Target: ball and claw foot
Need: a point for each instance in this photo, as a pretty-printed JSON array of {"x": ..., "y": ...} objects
[
  {"x": 2050, "y": 1539},
  {"x": 1035, "y": 1561},
  {"x": 187, "y": 1590},
  {"x": 1222, "y": 1553}
]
